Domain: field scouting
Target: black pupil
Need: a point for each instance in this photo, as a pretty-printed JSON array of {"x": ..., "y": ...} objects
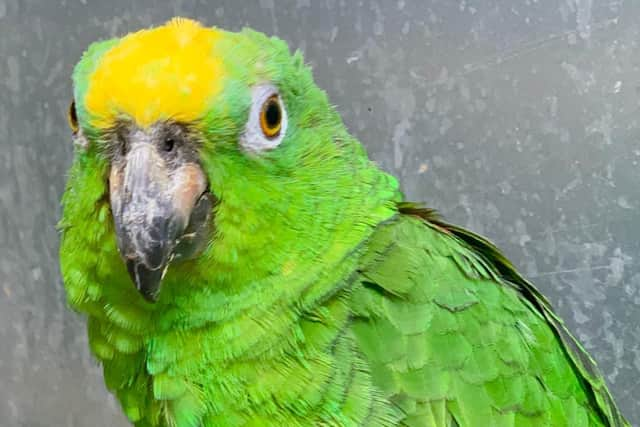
[
  {"x": 272, "y": 114},
  {"x": 72, "y": 113}
]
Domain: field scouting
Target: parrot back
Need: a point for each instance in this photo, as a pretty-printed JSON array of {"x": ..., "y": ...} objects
[{"x": 455, "y": 336}]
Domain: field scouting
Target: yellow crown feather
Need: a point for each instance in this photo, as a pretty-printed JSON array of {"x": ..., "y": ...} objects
[{"x": 168, "y": 72}]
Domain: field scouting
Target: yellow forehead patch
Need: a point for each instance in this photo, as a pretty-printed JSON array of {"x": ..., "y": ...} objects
[{"x": 168, "y": 72}]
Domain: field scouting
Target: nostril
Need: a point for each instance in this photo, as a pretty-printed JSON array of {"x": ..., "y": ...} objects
[
  {"x": 168, "y": 144},
  {"x": 122, "y": 146}
]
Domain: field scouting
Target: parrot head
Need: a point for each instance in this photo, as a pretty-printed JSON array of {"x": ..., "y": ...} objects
[{"x": 205, "y": 155}]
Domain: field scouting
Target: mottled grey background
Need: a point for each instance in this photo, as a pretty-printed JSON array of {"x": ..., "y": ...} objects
[{"x": 518, "y": 119}]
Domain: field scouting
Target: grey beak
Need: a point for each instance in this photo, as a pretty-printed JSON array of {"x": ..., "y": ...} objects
[
  {"x": 151, "y": 202},
  {"x": 146, "y": 222}
]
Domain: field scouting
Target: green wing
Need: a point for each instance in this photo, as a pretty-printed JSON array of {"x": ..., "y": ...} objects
[{"x": 455, "y": 336}]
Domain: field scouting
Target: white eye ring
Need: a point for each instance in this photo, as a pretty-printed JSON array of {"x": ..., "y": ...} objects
[{"x": 253, "y": 139}]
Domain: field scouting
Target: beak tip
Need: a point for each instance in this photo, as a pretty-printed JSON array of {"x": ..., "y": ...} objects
[
  {"x": 146, "y": 281},
  {"x": 150, "y": 297}
]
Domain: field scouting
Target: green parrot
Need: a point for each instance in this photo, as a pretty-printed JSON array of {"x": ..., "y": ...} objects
[{"x": 242, "y": 262}]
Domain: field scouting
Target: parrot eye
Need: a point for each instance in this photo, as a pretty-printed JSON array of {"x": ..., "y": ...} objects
[
  {"x": 267, "y": 122},
  {"x": 72, "y": 117},
  {"x": 271, "y": 117}
]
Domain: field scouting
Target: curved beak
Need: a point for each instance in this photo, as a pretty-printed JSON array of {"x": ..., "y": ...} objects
[{"x": 152, "y": 198}]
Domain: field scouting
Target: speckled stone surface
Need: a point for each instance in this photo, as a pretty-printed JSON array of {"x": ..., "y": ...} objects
[{"x": 518, "y": 119}]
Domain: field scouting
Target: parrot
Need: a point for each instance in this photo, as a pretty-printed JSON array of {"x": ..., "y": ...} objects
[{"x": 241, "y": 261}]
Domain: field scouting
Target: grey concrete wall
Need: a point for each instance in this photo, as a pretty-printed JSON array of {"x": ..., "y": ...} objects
[{"x": 518, "y": 119}]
